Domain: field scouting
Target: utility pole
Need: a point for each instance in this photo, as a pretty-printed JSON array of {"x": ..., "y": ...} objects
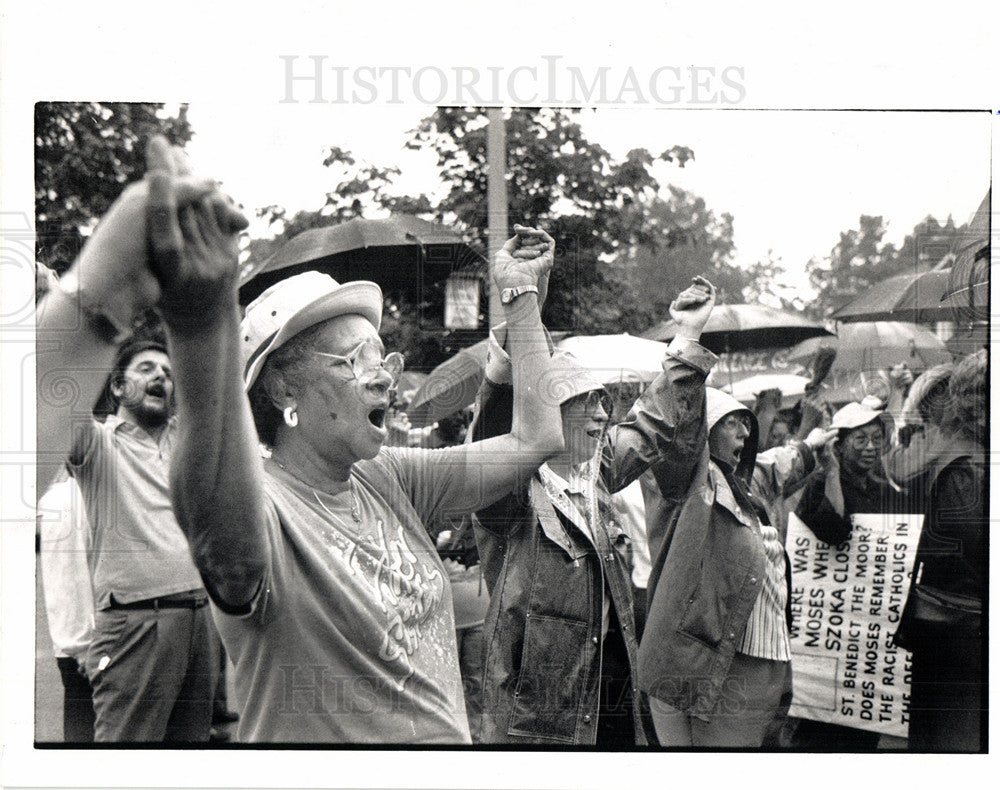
[{"x": 496, "y": 198}]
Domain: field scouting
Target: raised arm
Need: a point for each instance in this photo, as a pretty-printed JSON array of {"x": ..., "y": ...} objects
[
  {"x": 500, "y": 464},
  {"x": 81, "y": 321},
  {"x": 216, "y": 473},
  {"x": 782, "y": 470},
  {"x": 665, "y": 428},
  {"x": 821, "y": 507}
]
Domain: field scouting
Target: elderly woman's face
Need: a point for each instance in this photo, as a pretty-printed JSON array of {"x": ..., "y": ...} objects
[
  {"x": 727, "y": 437},
  {"x": 584, "y": 420},
  {"x": 340, "y": 414},
  {"x": 861, "y": 447}
]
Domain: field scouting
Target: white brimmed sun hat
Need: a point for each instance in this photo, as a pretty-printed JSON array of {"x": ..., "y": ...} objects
[
  {"x": 295, "y": 304},
  {"x": 854, "y": 415}
]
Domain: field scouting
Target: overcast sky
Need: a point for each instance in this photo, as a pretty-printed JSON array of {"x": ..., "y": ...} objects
[{"x": 792, "y": 180}]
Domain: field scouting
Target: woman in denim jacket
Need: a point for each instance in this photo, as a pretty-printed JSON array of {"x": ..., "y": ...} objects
[{"x": 560, "y": 631}]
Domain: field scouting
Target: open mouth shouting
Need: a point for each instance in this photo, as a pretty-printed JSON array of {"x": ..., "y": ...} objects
[{"x": 377, "y": 416}]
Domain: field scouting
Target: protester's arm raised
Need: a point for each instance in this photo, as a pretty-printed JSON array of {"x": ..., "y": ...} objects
[
  {"x": 216, "y": 472},
  {"x": 821, "y": 507},
  {"x": 80, "y": 322},
  {"x": 666, "y": 426},
  {"x": 497, "y": 465}
]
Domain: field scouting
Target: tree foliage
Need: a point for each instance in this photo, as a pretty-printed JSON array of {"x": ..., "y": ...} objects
[
  {"x": 625, "y": 245},
  {"x": 85, "y": 154},
  {"x": 678, "y": 237},
  {"x": 766, "y": 285},
  {"x": 591, "y": 203}
]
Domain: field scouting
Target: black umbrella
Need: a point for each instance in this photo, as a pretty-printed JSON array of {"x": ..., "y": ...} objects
[
  {"x": 968, "y": 292},
  {"x": 400, "y": 251},
  {"x": 911, "y": 296},
  {"x": 741, "y": 327}
]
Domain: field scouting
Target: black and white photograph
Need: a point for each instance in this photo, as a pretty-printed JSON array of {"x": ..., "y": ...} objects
[{"x": 490, "y": 407}]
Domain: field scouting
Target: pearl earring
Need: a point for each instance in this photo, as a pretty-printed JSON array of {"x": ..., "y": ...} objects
[{"x": 291, "y": 418}]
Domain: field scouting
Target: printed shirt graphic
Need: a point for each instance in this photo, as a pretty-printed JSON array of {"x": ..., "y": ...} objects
[{"x": 352, "y": 638}]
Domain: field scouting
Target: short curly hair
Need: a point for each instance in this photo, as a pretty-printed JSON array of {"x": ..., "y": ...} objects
[
  {"x": 288, "y": 362},
  {"x": 967, "y": 404},
  {"x": 927, "y": 400},
  {"x": 126, "y": 352}
]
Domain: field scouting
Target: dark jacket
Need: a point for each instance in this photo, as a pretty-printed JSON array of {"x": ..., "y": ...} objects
[
  {"x": 948, "y": 681},
  {"x": 951, "y": 490},
  {"x": 546, "y": 576},
  {"x": 708, "y": 566},
  {"x": 867, "y": 494}
]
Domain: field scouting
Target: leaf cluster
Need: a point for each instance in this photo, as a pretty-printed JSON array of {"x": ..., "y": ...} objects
[{"x": 85, "y": 154}]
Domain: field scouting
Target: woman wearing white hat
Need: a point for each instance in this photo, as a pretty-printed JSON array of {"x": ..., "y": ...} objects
[
  {"x": 327, "y": 590},
  {"x": 561, "y": 642},
  {"x": 855, "y": 480}
]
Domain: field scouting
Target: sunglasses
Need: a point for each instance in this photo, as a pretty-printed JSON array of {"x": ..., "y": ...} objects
[{"x": 366, "y": 361}]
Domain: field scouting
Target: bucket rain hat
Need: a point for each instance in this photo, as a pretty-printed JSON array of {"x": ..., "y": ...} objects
[
  {"x": 566, "y": 378},
  {"x": 293, "y": 305}
]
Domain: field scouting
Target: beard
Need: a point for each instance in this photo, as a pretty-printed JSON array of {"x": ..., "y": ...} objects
[{"x": 150, "y": 411}]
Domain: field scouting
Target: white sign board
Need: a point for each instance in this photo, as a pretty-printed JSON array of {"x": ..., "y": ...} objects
[{"x": 846, "y": 604}]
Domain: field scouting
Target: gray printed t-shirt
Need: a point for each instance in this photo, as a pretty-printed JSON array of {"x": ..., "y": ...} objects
[{"x": 351, "y": 638}]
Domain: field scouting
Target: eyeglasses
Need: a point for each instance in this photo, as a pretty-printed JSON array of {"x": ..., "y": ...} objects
[
  {"x": 860, "y": 440},
  {"x": 598, "y": 398},
  {"x": 732, "y": 421},
  {"x": 366, "y": 360}
]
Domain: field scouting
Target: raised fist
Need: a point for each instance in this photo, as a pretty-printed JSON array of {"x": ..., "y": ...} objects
[
  {"x": 692, "y": 307},
  {"x": 525, "y": 259}
]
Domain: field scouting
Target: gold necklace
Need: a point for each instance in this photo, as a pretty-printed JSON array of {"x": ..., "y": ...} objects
[{"x": 355, "y": 504}]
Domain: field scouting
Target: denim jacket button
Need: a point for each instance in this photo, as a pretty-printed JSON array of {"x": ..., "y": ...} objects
[
  {"x": 732, "y": 635},
  {"x": 753, "y": 580},
  {"x": 594, "y": 640},
  {"x": 587, "y": 717}
]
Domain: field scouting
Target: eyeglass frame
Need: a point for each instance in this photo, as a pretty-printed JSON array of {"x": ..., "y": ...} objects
[
  {"x": 362, "y": 376},
  {"x": 732, "y": 419},
  {"x": 876, "y": 440},
  {"x": 596, "y": 398}
]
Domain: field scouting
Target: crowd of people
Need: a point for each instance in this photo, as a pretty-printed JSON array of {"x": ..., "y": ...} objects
[{"x": 250, "y": 493}]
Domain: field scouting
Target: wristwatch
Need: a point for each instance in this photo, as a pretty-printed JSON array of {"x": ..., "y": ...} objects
[{"x": 508, "y": 295}]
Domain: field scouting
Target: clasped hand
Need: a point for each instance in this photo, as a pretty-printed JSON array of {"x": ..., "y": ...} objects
[
  {"x": 114, "y": 273},
  {"x": 193, "y": 251}
]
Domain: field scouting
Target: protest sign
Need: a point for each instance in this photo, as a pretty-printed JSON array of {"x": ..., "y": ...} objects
[{"x": 846, "y": 603}]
